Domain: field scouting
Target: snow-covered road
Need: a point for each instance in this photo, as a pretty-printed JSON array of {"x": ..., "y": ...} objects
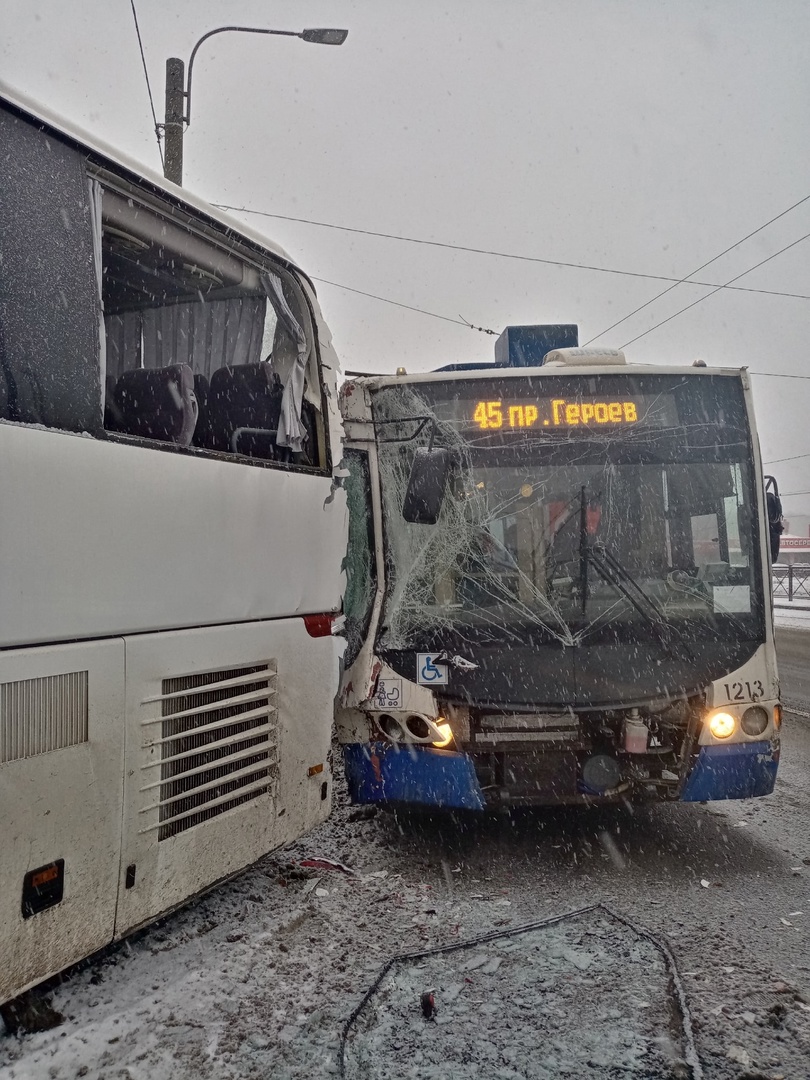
[
  {"x": 793, "y": 616},
  {"x": 257, "y": 978}
]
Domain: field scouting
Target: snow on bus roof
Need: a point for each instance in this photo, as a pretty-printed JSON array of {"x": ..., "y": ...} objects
[
  {"x": 505, "y": 372},
  {"x": 142, "y": 173}
]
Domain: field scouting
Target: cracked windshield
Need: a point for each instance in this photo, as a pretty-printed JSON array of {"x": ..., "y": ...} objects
[{"x": 609, "y": 517}]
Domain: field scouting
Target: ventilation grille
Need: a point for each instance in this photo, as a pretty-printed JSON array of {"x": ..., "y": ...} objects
[
  {"x": 218, "y": 745},
  {"x": 38, "y": 715}
]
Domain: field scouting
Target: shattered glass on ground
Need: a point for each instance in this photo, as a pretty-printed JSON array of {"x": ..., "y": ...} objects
[{"x": 584, "y": 997}]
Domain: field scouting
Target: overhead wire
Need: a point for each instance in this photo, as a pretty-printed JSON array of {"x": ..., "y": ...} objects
[
  {"x": 408, "y": 307},
  {"x": 779, "y": 460},
  {"x": 148, "y": 84},
  {"x": 504, "y": 254},
  {"x": 685, "y": 280},
  {"x": 779, "y": 375},
  {"x": 462, "y": 322},
  {"x": 700, "y": 300},
  {"x": 471, "y": 326}
]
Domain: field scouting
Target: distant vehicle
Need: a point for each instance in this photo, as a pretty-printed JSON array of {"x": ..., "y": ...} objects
[
  {"x": 170, "y": 547},
  {"x": 558, "y": 583}
]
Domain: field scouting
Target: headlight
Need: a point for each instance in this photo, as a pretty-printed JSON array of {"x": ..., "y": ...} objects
[
  {"x": 721, "y": 724},
  {"x": 447, "y": 732},
  {"x": 754, "y": 720},
  {"x": 390, "y": 727}
]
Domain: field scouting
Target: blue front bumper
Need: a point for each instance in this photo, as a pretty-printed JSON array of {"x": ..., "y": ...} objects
[
  {"x": 739, "y": 771},
  {"x": 388, "y": 773},
  {"x": 424, "y": 776}
]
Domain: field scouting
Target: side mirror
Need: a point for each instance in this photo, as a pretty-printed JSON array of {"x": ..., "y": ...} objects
[
  {"x": 426, "y": 485},
  {"x": 773, "y": 505}
]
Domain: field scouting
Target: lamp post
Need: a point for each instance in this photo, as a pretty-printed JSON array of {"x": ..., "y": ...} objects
[{"x": 178, "y": 96}]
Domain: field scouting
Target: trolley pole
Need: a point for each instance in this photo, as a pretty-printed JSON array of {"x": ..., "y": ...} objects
[{"x": 175, "y": 118}]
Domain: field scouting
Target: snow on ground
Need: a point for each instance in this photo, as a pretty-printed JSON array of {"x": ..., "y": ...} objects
[
  {"x": 793, "y": 616},
  {"x": 588, "y": 990},
  {"x": 257, "y": 979}
]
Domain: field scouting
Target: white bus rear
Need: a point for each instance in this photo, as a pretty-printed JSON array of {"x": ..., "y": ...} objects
[{"x": 170, "y": 547}]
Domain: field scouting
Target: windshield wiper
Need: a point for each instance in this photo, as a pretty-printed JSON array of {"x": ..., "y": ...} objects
[{"x": 609, "y": 567}]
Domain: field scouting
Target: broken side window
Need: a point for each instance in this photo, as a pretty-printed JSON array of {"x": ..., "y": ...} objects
[
  {"x": 359, "y": 565},
  {"x": 202, "y": 347}
]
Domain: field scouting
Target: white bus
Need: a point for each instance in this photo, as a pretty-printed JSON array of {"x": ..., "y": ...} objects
[
  {"x": 171, "y": 542},
  {"x": 558, "y": 583}
]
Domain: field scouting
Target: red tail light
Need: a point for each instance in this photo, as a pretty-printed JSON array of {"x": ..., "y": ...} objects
[{"x": 319, "y": 625}]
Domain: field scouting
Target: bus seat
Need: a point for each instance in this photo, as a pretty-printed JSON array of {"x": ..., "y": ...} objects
[
  {"x": 113, "y": 420},
  {"x": 201, "y": 391},
  {"x": 158, "y": 403},
  {"x": 244, "y": 406}
]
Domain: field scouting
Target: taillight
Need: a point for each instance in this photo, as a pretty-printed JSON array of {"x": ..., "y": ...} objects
[{"x": 319, "y": 625}]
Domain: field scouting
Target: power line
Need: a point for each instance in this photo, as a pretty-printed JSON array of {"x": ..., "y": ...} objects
[
  {"x": 784, "y": 494},
  {"x": 483, "y": 329},
  {"x": 697, "y": 271},
  {"x": 779, "y": 460},
  {"x": 778, "y": 375},
  {"x": 470, "y": 326},
  {"x": 506, "y": 254},
  {"x": 148, "y": 86},
  {"x": 408, "y": 307},
  {"x": 719, "y": 287}
]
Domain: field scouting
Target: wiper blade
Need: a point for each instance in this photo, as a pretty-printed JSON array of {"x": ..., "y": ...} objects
[{"x": 609, "y": 567}]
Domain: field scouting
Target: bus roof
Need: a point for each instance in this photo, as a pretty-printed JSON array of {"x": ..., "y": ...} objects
[
  {"x": 138, "y": 172},
  {"x": 493, "y": 371}
]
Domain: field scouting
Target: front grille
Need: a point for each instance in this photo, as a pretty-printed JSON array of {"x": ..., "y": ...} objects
[
  {"x": 498, "y": 729},
  {"x": 218, "y": 745}
]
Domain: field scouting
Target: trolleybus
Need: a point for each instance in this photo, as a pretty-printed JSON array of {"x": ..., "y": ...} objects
[
  {"x": 170, "y": 546},
  {"x": 558, "y": 583}
]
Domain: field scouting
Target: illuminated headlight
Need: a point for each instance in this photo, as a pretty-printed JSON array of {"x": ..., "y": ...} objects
[
  {"x": 754, "y": 720},
  {"x": 447, "y": 732},
  {"x": 721, "y": 724}
]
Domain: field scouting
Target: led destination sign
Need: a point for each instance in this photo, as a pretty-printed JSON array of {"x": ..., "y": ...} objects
[{"x": 555, "y": 413}]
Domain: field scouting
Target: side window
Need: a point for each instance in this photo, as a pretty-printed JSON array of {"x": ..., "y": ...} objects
[
  {"x": 202, "y": 348},
  {"x": 50, "y": 368},
  {"x": 359, "y": 564},
  {"x": 705, "y": 539}
]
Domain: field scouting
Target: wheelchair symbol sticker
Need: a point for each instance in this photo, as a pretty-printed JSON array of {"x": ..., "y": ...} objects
[{"x": 429, "y": 673}]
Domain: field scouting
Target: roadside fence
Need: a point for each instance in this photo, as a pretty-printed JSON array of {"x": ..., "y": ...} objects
[{"x": 791, "y": 582}]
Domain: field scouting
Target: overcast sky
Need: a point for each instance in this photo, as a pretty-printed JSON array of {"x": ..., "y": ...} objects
[{"x": 631, "y": 135}]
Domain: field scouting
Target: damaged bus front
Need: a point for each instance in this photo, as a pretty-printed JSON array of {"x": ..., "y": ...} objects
[{"x": 557, "y": 586}]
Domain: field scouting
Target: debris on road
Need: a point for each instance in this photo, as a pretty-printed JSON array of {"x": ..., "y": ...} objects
[{"x": 317, "y": 863}]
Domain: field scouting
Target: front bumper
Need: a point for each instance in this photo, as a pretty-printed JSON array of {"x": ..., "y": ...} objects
[
  {"x": 739, "y": 771},
  {"x": 417, "y": 775},
  {"x": 424, "y": 776}
]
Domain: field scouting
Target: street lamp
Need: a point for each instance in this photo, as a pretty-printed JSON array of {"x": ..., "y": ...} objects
[{"x": 178, "y": 98}]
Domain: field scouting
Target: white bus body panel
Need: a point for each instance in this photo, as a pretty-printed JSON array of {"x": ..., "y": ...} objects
[
  {"x": 107, "y": 539},
  {"x": 70, "y": 803},
  {"x": 170, "y": 870},
  {"x": 61, "y": 803}
]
